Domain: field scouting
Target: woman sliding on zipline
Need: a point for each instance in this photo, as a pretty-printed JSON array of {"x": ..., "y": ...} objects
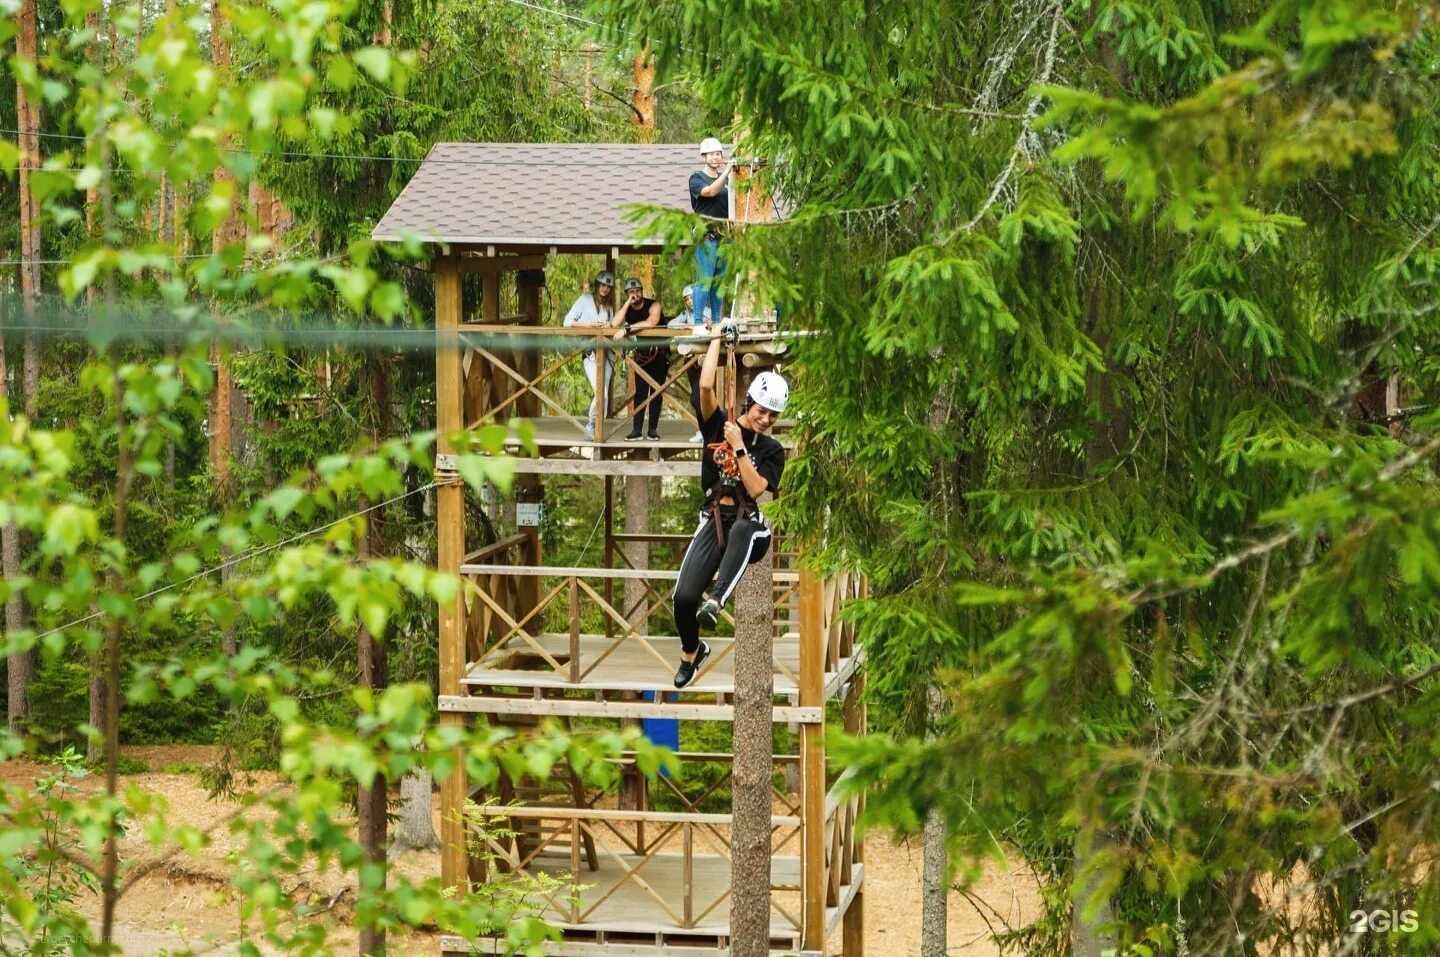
[{"x": 740, "y": 463}]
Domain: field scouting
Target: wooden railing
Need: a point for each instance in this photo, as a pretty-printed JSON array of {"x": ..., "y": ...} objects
[
  {"x": 681, "y": 835},
  {"x": 501, "y": 625},
  {"x": 517, "y": 381}
]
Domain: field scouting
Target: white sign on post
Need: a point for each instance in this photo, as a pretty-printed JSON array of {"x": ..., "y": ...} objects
[{"x": 529, "y": 513}]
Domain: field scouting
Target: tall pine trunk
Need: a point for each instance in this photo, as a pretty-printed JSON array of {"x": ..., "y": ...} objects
[
  {"x": 935, "y": 873},
  {"x": 21, "y": 665},
  {"x": 753, "y": 762}
]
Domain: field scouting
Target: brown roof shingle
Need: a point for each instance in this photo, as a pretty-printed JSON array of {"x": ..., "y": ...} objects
[{"x": 541, "y": 194}]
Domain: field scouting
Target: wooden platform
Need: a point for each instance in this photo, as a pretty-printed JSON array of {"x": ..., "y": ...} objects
[
  {"x": 653, "y": 913},
  {"x": 629, "y": 667}
]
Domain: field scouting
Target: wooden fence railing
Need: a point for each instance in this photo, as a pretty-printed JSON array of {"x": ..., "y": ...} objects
[
  {"x": 519, "y": 375},
  {"x": 540, "y": 614},
  {"x": 682, "y": 844}
]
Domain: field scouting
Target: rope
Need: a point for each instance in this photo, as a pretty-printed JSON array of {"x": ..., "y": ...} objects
[{"x": 248, "y": 555}]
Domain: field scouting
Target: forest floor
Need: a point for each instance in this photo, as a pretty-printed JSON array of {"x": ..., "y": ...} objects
[{"x": 181, "y": 905}]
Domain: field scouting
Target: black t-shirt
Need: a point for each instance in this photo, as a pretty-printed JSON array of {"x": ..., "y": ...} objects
[
  {"x": 766, "y": 453},
  {"x": 637, "y": 315},
  {"x": 715, "y": 207}
]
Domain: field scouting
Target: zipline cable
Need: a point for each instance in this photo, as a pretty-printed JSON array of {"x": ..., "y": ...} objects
[{"x": 248, "y": 555}]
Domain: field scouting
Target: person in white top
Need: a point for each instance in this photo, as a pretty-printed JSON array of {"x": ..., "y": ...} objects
[
  {"x": 594, "y": 308},
  {"x": 685, "y": 320}
]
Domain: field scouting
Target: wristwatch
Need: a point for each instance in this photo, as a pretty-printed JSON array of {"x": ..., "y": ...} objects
[{"x": 741, "y": 452}]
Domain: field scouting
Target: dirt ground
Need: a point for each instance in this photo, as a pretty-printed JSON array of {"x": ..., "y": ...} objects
[{"x": 179, "y": 907}]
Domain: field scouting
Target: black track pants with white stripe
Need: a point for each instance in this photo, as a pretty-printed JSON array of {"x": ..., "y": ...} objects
[{"x": 747, "y": 539}]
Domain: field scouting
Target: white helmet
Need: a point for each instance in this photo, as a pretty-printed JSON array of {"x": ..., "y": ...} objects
[
  {"x": 770, "y": 390},
  {"x": 688, "y": 291},
  {"x": 710, "y": 145}
]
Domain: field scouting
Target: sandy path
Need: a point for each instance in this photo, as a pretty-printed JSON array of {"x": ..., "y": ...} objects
[{"x": 181, "y": 907}]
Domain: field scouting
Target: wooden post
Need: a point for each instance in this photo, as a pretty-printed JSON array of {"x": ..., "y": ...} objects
[
  {"x": 609, "y": 551},
  {"x": 750, "y": 836},
  {"x": 853, "y": 924},
  {"x": 450, "y": 534},
  {"x": 529, "y": 488},
  {"x": 812, "y": 761}
]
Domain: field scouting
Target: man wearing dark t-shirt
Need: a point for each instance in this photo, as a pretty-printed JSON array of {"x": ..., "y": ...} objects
[
  {"x": 740, "y": 463},
  {"x": 710, "y": 197},
  {"x": 638, "y": 312}
]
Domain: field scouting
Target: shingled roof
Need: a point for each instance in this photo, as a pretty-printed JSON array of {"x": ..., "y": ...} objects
[{"x": 562, "y": 195}]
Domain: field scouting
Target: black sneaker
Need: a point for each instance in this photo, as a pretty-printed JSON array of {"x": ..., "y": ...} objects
[
  {"x": 653, "y": 436},
  {"x": 708, "y": 614},
  {"x": 633, "y": 436},
  {"x": 689, "y": 669}
]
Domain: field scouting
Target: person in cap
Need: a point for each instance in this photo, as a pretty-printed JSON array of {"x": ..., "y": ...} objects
[
  {"x": 594, "y": 308},
  {"x": 741, "y": 462},
  {"x": 686, "y": 319},
  {"x": 710, "y": 197},
  {"x": 638, "y": 312}
]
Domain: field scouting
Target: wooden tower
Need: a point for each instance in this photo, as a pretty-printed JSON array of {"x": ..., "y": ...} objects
[{"x": 529, "y": 640}]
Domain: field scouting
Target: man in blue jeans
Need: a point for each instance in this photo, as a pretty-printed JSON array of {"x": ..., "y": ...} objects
[{"x": 710, "y": 197}]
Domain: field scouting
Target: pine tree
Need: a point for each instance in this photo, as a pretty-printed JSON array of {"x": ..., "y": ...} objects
[{"x": 1099, "y": 287}]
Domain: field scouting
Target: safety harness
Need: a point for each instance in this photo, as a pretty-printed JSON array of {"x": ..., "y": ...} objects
[{"x": 724, "y": 456}]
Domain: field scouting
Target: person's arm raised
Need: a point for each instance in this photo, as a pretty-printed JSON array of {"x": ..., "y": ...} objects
[
  {"x": 718, "y": 183},
  {"x": 707, "y": 376}
]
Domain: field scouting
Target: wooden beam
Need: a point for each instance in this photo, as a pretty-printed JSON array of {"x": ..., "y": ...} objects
[
  {"x": 836, "y": 680},
  {"x": 663, "y": 469},
  {"x": 812, "y": 764},
  {"x": 503, "y": 545},
  {"x": 565, "y": 571},
  {"x": 851, "y": 897},
  {"x": 474, "y": 704},
  {"x": 487, "y": 264},
  {"x": 493, "y": 947},
  {"x": 450, "y": 535},
  {"x": 606, "y": 814}
]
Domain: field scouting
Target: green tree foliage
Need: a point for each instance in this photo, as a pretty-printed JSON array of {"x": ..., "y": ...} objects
[
  {"x": 126, "y": 554},
  {"x": 1108, "y": 293}
]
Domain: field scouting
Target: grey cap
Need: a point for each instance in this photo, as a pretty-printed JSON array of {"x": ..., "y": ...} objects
[
  {"x": 604, "y": 279},
  {"x": 633, "y": 283}
]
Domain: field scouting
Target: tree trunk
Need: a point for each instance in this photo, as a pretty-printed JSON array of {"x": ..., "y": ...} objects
[
  {"x": 95, "y": 746},
  {"x": 1089, "y": 938},
  {"x": 632, "y": 795},
  {"x": 125, "y": 474},
  {"x": 935, "y": 875},
  {"x": 21, "y": 665},
  {"x": 643, "y": 97},
  {"x": 231, "y": 231},
  {"x": 753, "y": 763},
  {"x": 415, "y": 829},
  {"x": 372, "y": 798}
]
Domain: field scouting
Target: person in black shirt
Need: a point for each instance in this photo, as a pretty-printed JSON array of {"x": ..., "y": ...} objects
[
  {"x": 740, "y": 463},
  {"x": 637, "y": 312},
  {"x": 710, "y": 197}
]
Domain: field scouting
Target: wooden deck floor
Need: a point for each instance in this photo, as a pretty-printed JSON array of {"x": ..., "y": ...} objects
[
  {"x": 629, "y": 667},
  {"x": 628, "y": 907}
]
